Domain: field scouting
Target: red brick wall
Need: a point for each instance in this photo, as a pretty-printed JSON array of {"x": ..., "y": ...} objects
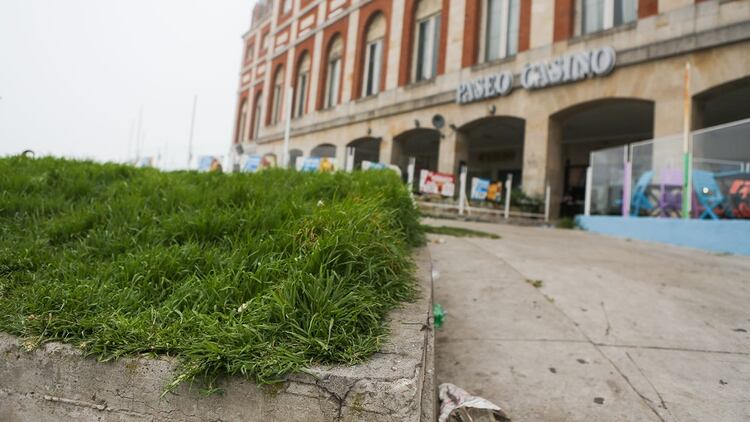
[
  {"x": 307, "y": 46},
  {"x": 564, "y": 18},
  {"x": 470, "y": 51},
  {"x": 342, "y": 7},
  {"x": 278, "y": 62},
  {"x": 647, "y": 8},
  {"x": 256, "y": 92},
  {"x": 524, "y": 26},
  {"x": 366, "y": 13},
  {"x": 243, "y": 97},
  {"x": 339, "y": 27}
]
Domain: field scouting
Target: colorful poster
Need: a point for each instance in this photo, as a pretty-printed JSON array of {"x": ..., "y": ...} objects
[
  {"x": 495, "y": 192},
  {"x": 208, "y": 163},
  {"x": 251, "y": 164},
  {"x": 437, "y": 183},
  {"x": 479, "y": 189},
  {"x": 269, "y": 161},
  {"x": 369, "y": 165},
  {"x": 313, "y": 164}
]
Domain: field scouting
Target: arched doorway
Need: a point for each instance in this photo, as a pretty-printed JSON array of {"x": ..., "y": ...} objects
[
  {"x": 421, "y": 144},
  {"x": 324, "y": 151},
  {"x": 722, "y": 104},
  {"x": 494, "y": 148},
  {"x": 365, "y": 149},
  {"x": 578, "y": 131}
]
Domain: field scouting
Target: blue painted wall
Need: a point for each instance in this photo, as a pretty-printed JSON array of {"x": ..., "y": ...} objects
[{"x": 732, "y": 236}]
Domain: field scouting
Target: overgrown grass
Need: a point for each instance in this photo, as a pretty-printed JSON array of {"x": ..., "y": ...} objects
[
  {"x": 458, "y": 232},
  {"x": 259, "y": 275}
]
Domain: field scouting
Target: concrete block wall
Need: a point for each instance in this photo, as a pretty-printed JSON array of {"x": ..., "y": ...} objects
[{"x": 55, "y": 382}]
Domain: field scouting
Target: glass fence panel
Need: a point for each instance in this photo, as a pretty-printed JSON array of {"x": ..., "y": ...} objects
[
  {"x": 608, "y": 172},
  {"x": 657, "y": 177},
  {"x": 721, "y": 171}
]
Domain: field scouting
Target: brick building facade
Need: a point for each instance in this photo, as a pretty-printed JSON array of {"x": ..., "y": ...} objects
[{"x": 377, "y": 75}]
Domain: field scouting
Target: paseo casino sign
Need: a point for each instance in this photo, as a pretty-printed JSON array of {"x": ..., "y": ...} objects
[{"x": 564, "y": 69}]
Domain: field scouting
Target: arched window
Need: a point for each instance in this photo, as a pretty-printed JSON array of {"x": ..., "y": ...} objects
[
  {"x": 374, "y": 44},
  {"x": 256, "y": 114},
  {"x": 426, "y": 39},
  {"x": 242, "y": 122},
  {"x": 501, "y": 21},
  {"x": 277, "y": 95},
  {"x": 303, "y": 82},
  {"x": 333, "y": 72}
]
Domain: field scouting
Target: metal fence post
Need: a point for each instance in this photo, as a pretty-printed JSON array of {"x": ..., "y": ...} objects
[
  {"x": 462, "y": 191},
  {"x": 587, "y": 201},
  {"x": 508, "y": 184}
]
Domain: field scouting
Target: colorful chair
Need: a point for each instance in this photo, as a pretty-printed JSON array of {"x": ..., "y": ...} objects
[
  {"x": 709, "y": 195},
  {"x": 640, "y": 199}
]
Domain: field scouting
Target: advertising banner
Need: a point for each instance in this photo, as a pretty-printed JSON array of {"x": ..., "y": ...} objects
[
  {"x": 255, "y": 163},
  {"x": 485, "y": 190},
  {"x": 495, "y": 192},
  {"x": 313, "y": 164},
  {"x": 208, "y": 163},
  {"x": 369, "y": 165},
  {"x": 479, "y": 188},
  {"x": 437, "y": 183},
  {"x": 251, "y": 164}
]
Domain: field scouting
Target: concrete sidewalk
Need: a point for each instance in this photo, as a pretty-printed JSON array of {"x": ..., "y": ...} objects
[{"x": 615, "y": 330}]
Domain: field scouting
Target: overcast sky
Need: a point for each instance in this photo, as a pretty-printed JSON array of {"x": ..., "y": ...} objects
[{"x": 74, "y": 74}]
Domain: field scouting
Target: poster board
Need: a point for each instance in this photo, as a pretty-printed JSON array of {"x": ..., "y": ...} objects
[
  {"x": 315, "y": 164},
  {"x": 435, "y": 183},
  {"x": 369, "y": 165}
]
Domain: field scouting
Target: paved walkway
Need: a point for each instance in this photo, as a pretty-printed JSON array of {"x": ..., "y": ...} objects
[{"x": 614, "y": 330}]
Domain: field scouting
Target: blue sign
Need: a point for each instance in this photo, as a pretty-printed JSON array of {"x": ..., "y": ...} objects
[
  {"x": 479, "y": 188},
  {"x": 311, "y": 164},
  {"x": 252, "y": 164}
]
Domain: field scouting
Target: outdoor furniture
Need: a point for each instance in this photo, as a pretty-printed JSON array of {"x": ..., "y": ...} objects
[
  {"x": 670, "y": 192},
  {"x": 736, "y": 188},
  {"x": 709, "y": 196},
  {"x": 640, "y": 199}
]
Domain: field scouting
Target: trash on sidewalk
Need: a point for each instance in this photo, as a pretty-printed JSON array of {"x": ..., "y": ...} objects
[
  {"x": 456, "y": 405},
  {"x": 438, "y": 315}
]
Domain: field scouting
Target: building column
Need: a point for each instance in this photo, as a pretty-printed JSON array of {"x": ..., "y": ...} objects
[
  {"x": 387, "y": 151},
  {"x": 668, "y": 114},
  {"x": 542, "y": 160},
  {"x": 454, "y": 148}
]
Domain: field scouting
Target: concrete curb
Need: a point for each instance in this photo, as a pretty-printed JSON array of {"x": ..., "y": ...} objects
[{"x": 55, "y": 382}]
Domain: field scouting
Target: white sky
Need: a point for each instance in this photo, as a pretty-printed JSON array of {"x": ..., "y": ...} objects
[{"x": 74, "y": 73}]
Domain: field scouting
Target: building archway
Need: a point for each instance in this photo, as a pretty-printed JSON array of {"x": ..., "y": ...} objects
[
  {"x": 583, "y": 128},
  {"x": 365, "y": 149},
  {"x": 722, "y": 104},
  {"x": 421, "y": 144},
  {"x": 493, "y": 148},
  {"x": 324, "y": 151}
]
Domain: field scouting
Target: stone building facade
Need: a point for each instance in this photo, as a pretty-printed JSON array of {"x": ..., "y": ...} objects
[{"x": 522, "y": 87}]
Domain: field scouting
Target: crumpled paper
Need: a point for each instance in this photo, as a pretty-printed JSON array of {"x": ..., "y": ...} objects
[{"x": 458, "y": 405}]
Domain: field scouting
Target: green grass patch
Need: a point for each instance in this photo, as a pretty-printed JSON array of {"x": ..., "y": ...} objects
[
  {"x": 259, "y": 275},
  {"x": 458, "y": 232}
]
